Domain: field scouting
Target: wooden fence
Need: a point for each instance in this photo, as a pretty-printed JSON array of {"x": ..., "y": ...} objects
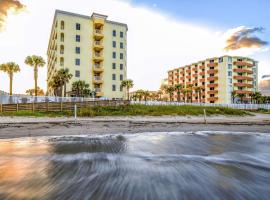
[{"x": 58, "y": 106}]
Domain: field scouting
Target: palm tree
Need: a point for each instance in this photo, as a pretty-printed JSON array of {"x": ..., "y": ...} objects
[
  {"x": 185, "y": 91},
  {"x": 170, "y": 90},
  {"x": 64, "y": 77},
  {"x": 257, "y": 97},
  {"x": 32, "y": 91},
  {"x": 146, "y": 94},
  {"x": 198, "y": 90},
  {"x": 233, "y": 94},
  {"x": 10, "y": 68},
  {"x": 139, "y": 94},
  {"x": 35, "y": 61},
  {"x": 241, "y": 96},
  {"x": 190, "y": 91},
  {"x": 252, "y": 97},
  {"x": 178, "y": 89},
  {"x": 128, "y": 84},
  {"x": 80, "y": 89},
  {"x": 159, "y": 93}
]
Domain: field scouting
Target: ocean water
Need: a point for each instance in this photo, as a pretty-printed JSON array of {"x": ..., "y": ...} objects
[{"x": 152, "y": 166}]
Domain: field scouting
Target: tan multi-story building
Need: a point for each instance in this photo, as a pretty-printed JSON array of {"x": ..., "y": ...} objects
[
  {"x": 94, "y": 50},
  {"x": 217, "y": 78}
]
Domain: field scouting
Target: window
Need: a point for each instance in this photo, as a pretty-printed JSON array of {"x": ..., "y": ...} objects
[
  {"x": 121, "y": 34},
  {"x": 229, "y": 66},
  {"x": 77, "y": 62},
  {"x": 220, "y": 60},
  {"x": 113, "y": 77},
  {"x": 61, "y": 61},
  {"x": 121, "y": 89},
  {"x": 62, "y": 48},
  {"x": 78, "y": 50},
  {"x": 62, "y": 37},
  {"x": 78, "y": 26},
  {"x": 121, "y": 66},
  {"x": 78, "y": 38},
  {"x": 121, "y": 56},
  {"x": 114, "y": 33},
  {"x": 121, "y": 77},
  {"x": 230, "y": 80},
  {"x": 113, "y": 87},
  {"x": 114, "y": 54},
  {"x": 114, "y": 44},
  {"x": 229, "y": 59},
  {"x": 114, "y": 65},
  {"x": 62, "y": 25},
  {"x": 121, "y": 45},
  {"x": 229, "y": 73},
  {"x": 77, "y": 73}
]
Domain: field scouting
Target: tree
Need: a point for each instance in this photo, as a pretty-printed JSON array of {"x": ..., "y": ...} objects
[
  {"x": 178, "y": 89},
  {"x": 55, "y": 83},
  {"x": 170, "y": 90},
  {"x": 35, "y": 62},
  {"x": 257, "y": 97},
  {"x": 159, "y": 93},
  {"x": 80, "y": 89},
  {"x": 32, "y": 91},
  {"x": 241, "y": 96},
  {"x": 233, "y": 94},
  {"x": 185, "y": 91},
  {"x": 190, "y": 91},
  {"x": 128, "y": 84},
  {"x": 10, "y": 68},
  {"x": 198, "y": 91},
  {"x": 64, "y": 77},
  {"x": 146, "y": 94}
]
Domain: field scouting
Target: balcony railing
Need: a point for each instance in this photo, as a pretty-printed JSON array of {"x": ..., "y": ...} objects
[
  {"x": 97, "y": 78},
  {"x": 98, "y": 31},
  {"x": 242, "y": 63},
  {"x": 243, "y": 78},
  {"x": 243, "y": 71},
  {"x": 243, "y": 85},
  {"x": 97, "y": 89}
]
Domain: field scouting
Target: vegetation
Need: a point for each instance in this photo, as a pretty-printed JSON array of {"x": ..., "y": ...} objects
[
  {"x": 80, "y": 89},
  {"x": 31, "y": 92},
  {"x": 10, "y": 68},
  {"x": 170, "y": 90},
  {"x": 128, "y": 84},
  {"x": 135, "y": 110},
  {"x": 35, "y": 62}
]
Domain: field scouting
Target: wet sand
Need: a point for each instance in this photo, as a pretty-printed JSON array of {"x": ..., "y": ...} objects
[{"x": 14, "y": 127}]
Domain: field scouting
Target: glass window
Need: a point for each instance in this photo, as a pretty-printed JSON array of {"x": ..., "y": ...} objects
[
  {"x": 229, "y": 66},
  {"x": 121, "y": 45},
  {"x": 78, "y": 50},
  {"x": 114, "y": 33},
  {"x": 114, "y": 44},
  {"x": 114, "y": 54},
  {"x": 121, "y": 66},
  {"x": 229, "y": 59},
  {"x": 77, "y": 62},
  {"x": 114, "y": 65},
  {"x": 230, "y": 80},
  {"x": 78, "y": 26},
  {"x": 121, "y": 34},
  {"x": 121, "y": 77},
  {"x": 220, "y": 60},
  {"x": 229, "y": 73},
  {"x": 77, "y": 73},
  {"x": 113, "y": 87},
  {"x": 121, "y": 56},
  {"x": 114, "y": 77},
  {"x": 78, "y": 38}
]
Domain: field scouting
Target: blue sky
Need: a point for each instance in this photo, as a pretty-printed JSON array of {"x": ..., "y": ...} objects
[{"x": 220, "y": 13}]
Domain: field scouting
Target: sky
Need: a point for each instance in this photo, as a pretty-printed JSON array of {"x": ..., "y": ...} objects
[{"x": 162, "y": 35}]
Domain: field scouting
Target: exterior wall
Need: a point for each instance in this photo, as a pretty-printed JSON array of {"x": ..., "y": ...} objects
[
  {"x": 217, "y": 78},
  {"x": 88, "y": 50}
]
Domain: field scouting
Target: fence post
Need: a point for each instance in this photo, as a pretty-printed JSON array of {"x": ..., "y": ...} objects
[
  {"x": 17, "y": 107},
  {"x": 47, "y": 106},
  {"x": 33, "y": 106},
  {"x": 204, "y": 115},
  {"x": 61, "y": 106},
  {"x": 1, "y": 107},
  {"x": 75, "y": 112}
]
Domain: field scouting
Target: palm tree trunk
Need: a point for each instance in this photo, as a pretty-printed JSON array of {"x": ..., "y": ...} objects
[
  {"x": 128, "y": 93},
  {"x": 65, "y": 90},
  {"x": 10, "y": 84},
  {"x": 36, "y": 77}
]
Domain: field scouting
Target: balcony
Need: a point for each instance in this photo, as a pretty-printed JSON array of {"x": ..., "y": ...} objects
[
  {"x": 98, "y": 68},
  {"x": 98, "y": 34},
  {"x": 176, "y": 80},
  {"x": 242, "y": 63},
  {"x": 176, "y": 74},
  {"x": 188, "y": 77},
  {"x": 243, "y": 78},
  {"x": 99, "y": 92},
  {"x": 212, "y": 71},
  {"x": 182, "y": 78},
  {"x": 212, "y": 85},
  {"x": 212, "y": 78},
  {"x": 202, "y": 73},
  {"x": 212, "y": 64},
  {"x": 243, "y": 71},
  {"x": 182, "y": 72},
  {"x": 98, "y": 57},
  {"x": 195, "y": 75},
  {"x": 243, "y": 92},
  {"x": 202, "y": 67},
  {"x": 195, "y": 69},
  {"x": 188, "y": 71},
  {"x": 98, "y": 46},
  {"x": 212, "y": 92},
  {"x": 212, "y": 99},
  {"x": 243, "y": 85},
  {"x": 202, "y": 80},
  {"x": 97, "y": 80},
  {"x": 98, "y": 22}
]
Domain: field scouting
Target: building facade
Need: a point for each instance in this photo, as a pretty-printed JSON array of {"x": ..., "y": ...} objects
[
  {"x": 94, "y": 50},
  {"x": 264, "y": 85},
  {"x": 217, "y": 78}
]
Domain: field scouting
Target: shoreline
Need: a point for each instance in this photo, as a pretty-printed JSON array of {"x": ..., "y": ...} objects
[{"x": 16, "y": 127}]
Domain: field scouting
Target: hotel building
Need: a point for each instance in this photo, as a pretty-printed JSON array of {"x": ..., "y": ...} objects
[
  {"x": 94, "y": 50},
  {"x": 218, "y": 77}
]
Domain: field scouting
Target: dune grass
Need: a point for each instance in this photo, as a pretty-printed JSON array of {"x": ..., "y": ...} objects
[{"x": 135, "y": 110}]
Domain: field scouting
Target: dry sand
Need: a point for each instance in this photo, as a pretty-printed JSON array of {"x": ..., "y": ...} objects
[{"x": 14, "y": 127}]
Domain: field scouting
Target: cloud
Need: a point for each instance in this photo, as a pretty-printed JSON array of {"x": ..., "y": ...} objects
[
  {"x": 8, "y": 5},
  {"x": 243, "y": 37}
]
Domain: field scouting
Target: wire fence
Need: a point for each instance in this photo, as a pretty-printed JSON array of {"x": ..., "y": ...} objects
[{"x": 235, "y": 106}]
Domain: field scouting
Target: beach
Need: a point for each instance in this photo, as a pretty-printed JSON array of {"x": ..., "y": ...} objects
[{"x": 15, "y": 127}]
